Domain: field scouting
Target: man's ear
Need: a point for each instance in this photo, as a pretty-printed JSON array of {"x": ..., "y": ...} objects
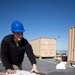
[{"x": 12, "y": 32}]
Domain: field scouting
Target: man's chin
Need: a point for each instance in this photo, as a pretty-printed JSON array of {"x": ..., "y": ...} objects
[{"x": 19, "y": 39}]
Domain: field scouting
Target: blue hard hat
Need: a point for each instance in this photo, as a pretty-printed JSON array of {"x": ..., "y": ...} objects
[{"x": 17, "y": 26}]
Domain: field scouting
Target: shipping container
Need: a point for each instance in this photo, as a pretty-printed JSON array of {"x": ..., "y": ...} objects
[
  {"x": 71, "y": 45},
  {"x": 44, "y": 47}
]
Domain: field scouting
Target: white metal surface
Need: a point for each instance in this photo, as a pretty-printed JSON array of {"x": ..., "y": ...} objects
[
  {"x": 22, "y": 72},
  {"x": 61, "y": 65}
]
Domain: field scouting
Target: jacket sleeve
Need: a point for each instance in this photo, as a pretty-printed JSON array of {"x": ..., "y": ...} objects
[
  {"x": 30, "y": 54},
  {"x": 5, "y": 54}
]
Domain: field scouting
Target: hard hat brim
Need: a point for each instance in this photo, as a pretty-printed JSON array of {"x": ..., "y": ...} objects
[{"x": 18, "y": 30}]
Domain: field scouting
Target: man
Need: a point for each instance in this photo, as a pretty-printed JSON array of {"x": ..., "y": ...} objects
[{"x": 13, "y": 47}]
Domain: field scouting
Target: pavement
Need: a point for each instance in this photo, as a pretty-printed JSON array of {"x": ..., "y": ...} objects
[{"x": 44, "y": 66}]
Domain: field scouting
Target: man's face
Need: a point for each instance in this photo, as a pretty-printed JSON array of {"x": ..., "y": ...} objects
[{"x": 18, "y": 36}]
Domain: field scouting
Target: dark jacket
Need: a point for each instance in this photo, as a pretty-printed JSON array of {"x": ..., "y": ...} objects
[{"x": 13, "y": 54}]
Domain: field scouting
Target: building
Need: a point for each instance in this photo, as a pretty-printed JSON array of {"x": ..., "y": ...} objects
[
  {"x": 44, "y": 47},
  {"x": 71, "y": 45}
]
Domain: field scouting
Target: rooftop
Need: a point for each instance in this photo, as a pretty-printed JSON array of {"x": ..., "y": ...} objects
[{"x": 45, "y": 66}]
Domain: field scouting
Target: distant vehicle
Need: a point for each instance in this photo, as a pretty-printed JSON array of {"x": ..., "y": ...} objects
[{"x": 64, "y": 54}]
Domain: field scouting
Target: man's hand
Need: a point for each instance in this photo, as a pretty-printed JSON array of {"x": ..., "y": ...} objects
[
  {"x": 1, "y": 73},
  {"x": 34, "y": 69},
  {"x": 9, "y": 71}
]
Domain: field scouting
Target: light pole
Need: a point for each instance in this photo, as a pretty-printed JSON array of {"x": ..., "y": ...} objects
[{"x": 59, "y": 43}]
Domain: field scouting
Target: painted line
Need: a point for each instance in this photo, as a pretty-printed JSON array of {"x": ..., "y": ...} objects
[
  {"x": 56, "y": 63},
  {"x": 0, "y": 62}
]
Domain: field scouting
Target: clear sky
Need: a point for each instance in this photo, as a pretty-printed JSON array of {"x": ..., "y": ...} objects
[{"x": 41, "y": 18}]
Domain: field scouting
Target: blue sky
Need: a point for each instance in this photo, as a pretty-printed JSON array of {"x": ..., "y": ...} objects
[{"x": 41, "y": 18}]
